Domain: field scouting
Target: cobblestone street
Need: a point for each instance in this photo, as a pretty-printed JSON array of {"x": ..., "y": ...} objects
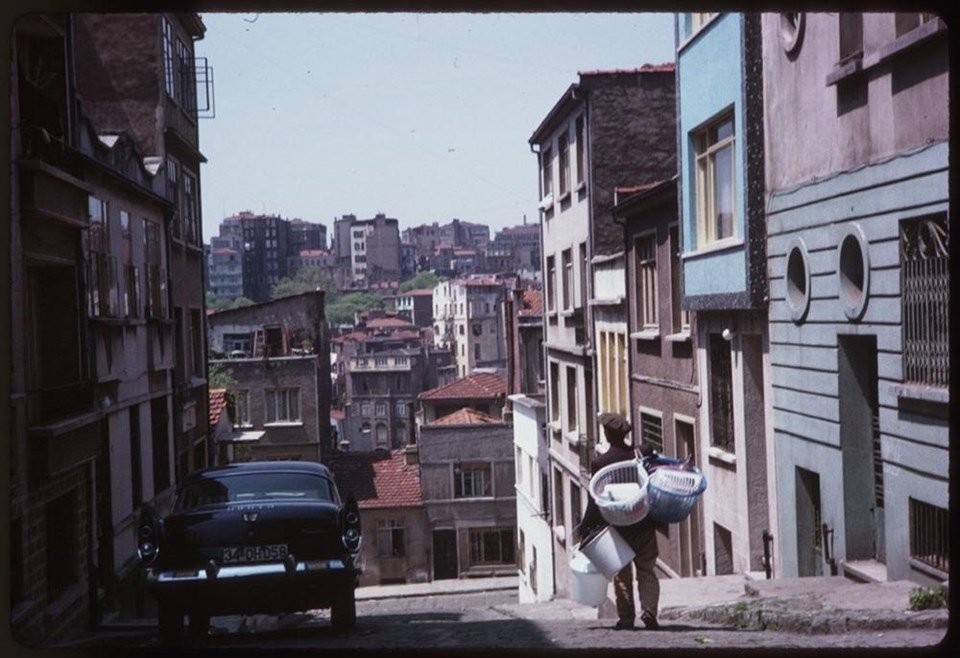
[{"x": 495, "y": 621}]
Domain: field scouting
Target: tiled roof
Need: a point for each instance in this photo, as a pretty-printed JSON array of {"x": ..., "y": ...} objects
[
  {"x": 472, "y": 387},
  {"x": 387, "y": 323},
  {"x": 466, "y": 416},
  {"x": 377, "y": 479},
  {"x": 224, "y": 250},
  {"x": 532, "y": 303},
  {"x": 218, "y": 404},
  {"x": 357, "y": 336},
  {"x": 418, "y": 292},
  {"x": 481, "y": 281},
  {"x": 306, "y": 253},
  {"x": 637, "y": 188}
]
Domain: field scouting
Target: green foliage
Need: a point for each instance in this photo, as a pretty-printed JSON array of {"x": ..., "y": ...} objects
[
  {"x": 422, "y": 280},
  {"x": 928, "y": 598},
  {"x": 240, "y": 302},
  {"x": 342, "y": 310},
  {"x": 306, "y": 279},
  {"x": 220, "y": 376}
]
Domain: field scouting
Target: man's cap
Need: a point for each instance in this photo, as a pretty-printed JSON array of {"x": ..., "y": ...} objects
[{"x": 614, "y": 422}]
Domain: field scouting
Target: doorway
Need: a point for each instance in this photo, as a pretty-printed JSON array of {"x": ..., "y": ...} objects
[
  {"x": 445, "y": 554},
  {"x": 860, "y": 448},
  {"x": 691, "y": 556},
  {"x": 809, "y": 513}
]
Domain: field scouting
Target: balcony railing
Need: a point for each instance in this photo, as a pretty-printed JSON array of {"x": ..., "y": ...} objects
[{"x": 376, "y": 364}]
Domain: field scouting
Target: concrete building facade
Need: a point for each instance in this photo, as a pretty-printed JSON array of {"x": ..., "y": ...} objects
[
  {"x": 587, "y": 146},
  {"x": 858, "y": 233}
]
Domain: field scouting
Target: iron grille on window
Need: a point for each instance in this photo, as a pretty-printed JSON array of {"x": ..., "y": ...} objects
[
  {"x": 721, "y": 393},
  {"x": 930, "y": 535},
  {"x": 651, "y": 431},
  {"x": 925, "y": 286}
]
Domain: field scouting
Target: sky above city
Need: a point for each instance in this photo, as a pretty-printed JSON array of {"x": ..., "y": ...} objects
[{"x": 424, "y": 117}]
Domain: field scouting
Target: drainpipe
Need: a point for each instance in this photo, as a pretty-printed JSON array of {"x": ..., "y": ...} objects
[{"x": 767, "y": 562}]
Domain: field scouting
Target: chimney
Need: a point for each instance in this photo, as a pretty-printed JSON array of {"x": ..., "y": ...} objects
[{"x": 411, "y": 455}]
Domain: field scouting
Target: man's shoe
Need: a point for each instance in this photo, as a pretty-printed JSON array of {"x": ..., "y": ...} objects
[
  {"x": 624, "y": 625},
  {"x": 649, "y": 621}
]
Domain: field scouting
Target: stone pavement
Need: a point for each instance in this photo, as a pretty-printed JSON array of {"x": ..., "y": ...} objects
[{"x": 796, "y": 605}]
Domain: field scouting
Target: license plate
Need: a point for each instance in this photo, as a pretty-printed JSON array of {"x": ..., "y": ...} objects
[{"x": 237, "y": 554}]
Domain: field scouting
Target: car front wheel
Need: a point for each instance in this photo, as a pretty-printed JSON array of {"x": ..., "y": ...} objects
[{"x": 343, "y": 613}]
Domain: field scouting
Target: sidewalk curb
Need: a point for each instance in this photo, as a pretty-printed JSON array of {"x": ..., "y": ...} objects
[
  {"x": 407, "y": 594},
  {"x": 782, "y": 615}
]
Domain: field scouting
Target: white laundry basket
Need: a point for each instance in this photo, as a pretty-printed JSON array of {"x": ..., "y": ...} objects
[
  {"x": 608, "y": 551},
  {"x": 589, "y": 584}
]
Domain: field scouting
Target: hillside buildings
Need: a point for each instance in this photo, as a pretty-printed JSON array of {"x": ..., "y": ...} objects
[
  {"x": 367, "y": 250},
  {"x": 277, "y": 355},
  {"x": 468, "y": 320}
]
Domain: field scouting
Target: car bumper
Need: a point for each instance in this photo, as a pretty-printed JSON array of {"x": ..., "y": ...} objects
[{"x": 254, "y": 588}]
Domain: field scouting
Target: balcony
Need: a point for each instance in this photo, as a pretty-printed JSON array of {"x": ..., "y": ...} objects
[{"x": 380, "y": 364}]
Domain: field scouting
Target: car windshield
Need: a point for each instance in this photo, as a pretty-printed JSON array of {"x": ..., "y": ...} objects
[{"x": 247, "y": 487}]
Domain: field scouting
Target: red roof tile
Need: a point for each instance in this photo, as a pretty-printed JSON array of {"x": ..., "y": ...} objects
[
  {"x": 218, "y": 404},
  {"x": 388, "y": 323},
  {"x": 532, "y": 303},
  {"x": 472, "y": 387},
  {"x": 419, "y": 292},
  {"x": 466, "y": 416},
  {"x": 377, "y": 479}
]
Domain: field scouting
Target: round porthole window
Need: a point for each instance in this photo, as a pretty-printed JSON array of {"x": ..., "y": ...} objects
[
  {"x": 791, "y": 31},
  {"x": 853, "y": 270},
  {"x": 798, "y": 280}
]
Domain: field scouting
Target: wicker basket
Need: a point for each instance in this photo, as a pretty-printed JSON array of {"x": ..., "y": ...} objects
[
  {"x": 672, "y": 493},
  {"x": 619, "y": 502}
]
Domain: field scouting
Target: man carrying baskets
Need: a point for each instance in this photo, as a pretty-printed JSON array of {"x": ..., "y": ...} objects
[{"x": 640, "y": 536}]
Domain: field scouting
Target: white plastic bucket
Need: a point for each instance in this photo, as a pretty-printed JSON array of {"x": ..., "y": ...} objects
[
  {"x": 608, "y": 551},
  {"x": 589, "y": 585}
]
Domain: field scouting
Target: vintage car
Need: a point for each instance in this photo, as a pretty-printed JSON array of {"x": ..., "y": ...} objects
[{"x": 252, "y": 538}]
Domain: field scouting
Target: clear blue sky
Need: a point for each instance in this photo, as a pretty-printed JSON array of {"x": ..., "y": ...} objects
[{"x": 424, "y": 117}]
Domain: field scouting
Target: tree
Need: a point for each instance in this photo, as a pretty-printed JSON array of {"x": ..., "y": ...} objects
[
  {"x": 342, "y": 310},
  {"x": 307, "y": 279},
  {"x": 240, "y": 302},
  {"x": 422, "y": 280}
]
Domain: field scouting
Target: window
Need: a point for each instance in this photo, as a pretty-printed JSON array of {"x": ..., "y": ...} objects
[
  {"x": 645, "y": 248},
  {"x": 187, "y": 91},
  {"x": 851, "y": 36},
  {"x": 402, "y": 409},
  {"x": 651, "y": 430},
  {"x": 930, "y": 535},
  {"x": 190, "y": 209},
  {"x": 476, "y": 328},
  {"x": 460, "y": 329},
  {"x": 554, "y": 384},
  {"x": 518, "y": 464},
  {"x": 613, "y": 375},
  {"x": 241, "y": 408},
  {"x": 131, "y": 273},
  {"x": 492, "y": 546},
  {"x": 551, "y": 281},
  {"x": 381, "y": 408},
  {"x": 546, "y": 162},
  {"x": 581, "y": 149},
  {"x": 101, "y": 266},
  {"x": 168, "y": 63},
  {"x": 560, "y": 511},
  {"x": 391, "y": 538},
  {"x": 366, "y": 408},
  {"x": 156, "y": 274},
  {"x": 283, "y": 405},
  {"x": 563, "y": 155},
  {"x": 575, "y": 511},
  {"x": 383, "y": 437},
  {"x": 471, "y": 480},
  {"x": 567, "y": 263},
  {"x": 573, "y": 398},
  {"x": 521, "y": 550},
  {"x": 925, "y": 290},
  {"x": 721, "y": 393},
  {"x": 476, "y": 352},
  {"x": 699, "y": 19},
  {"x": 681, "y": 316},
  {"x": 583, "y": 275},
  {"x": 715, "y": 182}
]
